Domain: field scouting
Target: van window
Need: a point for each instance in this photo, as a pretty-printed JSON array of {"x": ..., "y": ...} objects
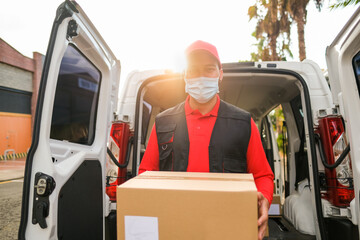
[
  {"x": 76, "y": 99},
  {"x": 356, "y": 66}
]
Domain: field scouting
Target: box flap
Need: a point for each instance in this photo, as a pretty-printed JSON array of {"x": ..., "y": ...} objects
[
  {"x": 238, "y": 176},
  {"x": 222, "y": 182}
]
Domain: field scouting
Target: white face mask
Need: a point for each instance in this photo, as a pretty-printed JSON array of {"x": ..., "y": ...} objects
[{"x": 202, "y": 88}]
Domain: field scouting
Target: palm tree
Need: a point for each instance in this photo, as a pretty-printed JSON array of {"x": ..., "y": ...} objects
[
  {"x": 287, "y": 11},
  {"x": 297, "y": 11},
  {"x": 272, "y": 22}
]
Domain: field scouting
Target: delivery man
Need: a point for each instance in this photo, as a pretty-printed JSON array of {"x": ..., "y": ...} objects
[{"x": 206, "y": 134}]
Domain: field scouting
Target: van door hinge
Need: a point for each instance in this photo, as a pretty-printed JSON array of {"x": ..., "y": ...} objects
[
  {"x": 321, "y": 113},
  {"x": 72, "y": 30},
  {"x": 43, "y": 187}
]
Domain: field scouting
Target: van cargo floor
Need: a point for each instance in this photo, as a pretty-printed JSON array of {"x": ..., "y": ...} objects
[{"x": 280, "y": 229}]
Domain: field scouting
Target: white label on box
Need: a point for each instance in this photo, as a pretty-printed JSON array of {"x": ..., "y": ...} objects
[
  {"x": 141, "y": 228},
  {"x": 274, "y": 209}
]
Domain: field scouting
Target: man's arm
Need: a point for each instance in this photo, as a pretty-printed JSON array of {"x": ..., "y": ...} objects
[
  {"x": 258, "y": 165},
  {"x": 150, "y": 160},
  {"x": 263, "y": 176}
]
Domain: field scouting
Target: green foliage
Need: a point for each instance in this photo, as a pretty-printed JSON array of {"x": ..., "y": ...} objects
[
  {"x": 252, "y": 12},
  {"x": 277, "y": 119},
  {"x": 343, "y": 3}
]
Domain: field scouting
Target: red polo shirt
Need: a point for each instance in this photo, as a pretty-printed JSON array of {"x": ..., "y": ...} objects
[{"x": 199, "y": 129}]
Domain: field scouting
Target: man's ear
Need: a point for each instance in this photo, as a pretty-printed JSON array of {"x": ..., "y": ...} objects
[{"x": 221, "y": 75}]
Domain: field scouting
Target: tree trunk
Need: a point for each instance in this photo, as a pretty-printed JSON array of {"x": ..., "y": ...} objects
[
  {"x": 274, "y": 55},
  {"x": 300, "y": 22}
]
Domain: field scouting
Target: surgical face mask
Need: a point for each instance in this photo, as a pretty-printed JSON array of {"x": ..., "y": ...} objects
[{"x": 202, "y": 89}]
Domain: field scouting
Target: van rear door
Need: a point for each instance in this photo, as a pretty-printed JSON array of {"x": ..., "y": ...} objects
[
  {"x": 64, "y": 184},
  {"x": 343, "y": 60}
]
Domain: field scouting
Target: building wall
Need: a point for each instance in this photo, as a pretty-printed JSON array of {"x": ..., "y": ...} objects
[
  {"x": 19, "y": 83},
  {"x": 16, "y": 78},
  {"x": 17, "y": 133}
]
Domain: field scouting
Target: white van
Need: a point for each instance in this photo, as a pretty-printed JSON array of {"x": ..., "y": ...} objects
[{"x": 80, "y": 124}]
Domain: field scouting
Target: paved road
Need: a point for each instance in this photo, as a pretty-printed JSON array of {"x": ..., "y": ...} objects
[
  {"x": 10, "y": 208},
  {"x": 12, "y": 169}
]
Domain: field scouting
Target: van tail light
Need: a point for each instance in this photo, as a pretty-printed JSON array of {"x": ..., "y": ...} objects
[
  {"x": 340, "y": 189},
  {"x": 120, "y": 134}
]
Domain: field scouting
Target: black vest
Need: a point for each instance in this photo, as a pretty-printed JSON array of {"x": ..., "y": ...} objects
[{"x": 228, "y": 144}]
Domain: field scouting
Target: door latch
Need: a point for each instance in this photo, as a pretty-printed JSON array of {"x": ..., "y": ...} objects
[
  {"x": 43, "y": 187},
  {"x": 72, "y": 30}
]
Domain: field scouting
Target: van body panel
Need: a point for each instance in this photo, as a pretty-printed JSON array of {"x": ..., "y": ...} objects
[
  {"x": 344, "y": 80},
  {"x": 65, "y": 169}
]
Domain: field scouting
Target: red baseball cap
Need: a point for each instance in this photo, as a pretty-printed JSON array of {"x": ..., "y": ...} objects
[{"x": 201, "y": 45}]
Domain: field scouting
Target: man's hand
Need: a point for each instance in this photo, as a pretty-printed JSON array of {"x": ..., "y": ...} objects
[{"x": 263, "y": 208}]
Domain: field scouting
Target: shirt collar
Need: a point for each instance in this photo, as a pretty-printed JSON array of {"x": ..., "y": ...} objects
[{"x": 213, "y": 112}]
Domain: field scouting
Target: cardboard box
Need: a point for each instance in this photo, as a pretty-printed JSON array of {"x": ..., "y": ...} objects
[
  {"x": 185, "y": 205},
  {"x": 275, "y": 209}
]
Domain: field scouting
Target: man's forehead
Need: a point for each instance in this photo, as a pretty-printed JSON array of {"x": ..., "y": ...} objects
[{"x": 201, "y": 57}]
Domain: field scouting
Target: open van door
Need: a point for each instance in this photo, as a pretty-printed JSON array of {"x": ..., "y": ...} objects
[
  {"x": 343, "y": 60},
  {"x": 64, "y": 184}
]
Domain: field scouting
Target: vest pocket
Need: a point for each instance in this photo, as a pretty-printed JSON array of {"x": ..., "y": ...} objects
[
  {"x": 234, "y": 165},
  {"x": 165, "y": 135},
  {"x": 165, "y": 132},
  {"x": 166, "y": 157}
]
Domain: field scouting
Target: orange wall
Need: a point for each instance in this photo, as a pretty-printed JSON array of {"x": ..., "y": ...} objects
[{"x": 15, "y": 132}]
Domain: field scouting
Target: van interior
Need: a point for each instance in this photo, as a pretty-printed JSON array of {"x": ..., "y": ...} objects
[{"x": 259, "y": 94}]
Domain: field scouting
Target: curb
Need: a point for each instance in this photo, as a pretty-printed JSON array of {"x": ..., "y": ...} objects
[
  {"x": 10, "y": 156},
  {"x": 11, "y": 179}
]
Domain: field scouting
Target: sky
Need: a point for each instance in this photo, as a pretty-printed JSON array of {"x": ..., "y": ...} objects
[{"x": 146, "y": 34}]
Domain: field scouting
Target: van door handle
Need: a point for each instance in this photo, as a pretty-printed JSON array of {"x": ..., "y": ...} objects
[
  {"x": 41, "y": 213},
  {"x": 43, "y": 187}
]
